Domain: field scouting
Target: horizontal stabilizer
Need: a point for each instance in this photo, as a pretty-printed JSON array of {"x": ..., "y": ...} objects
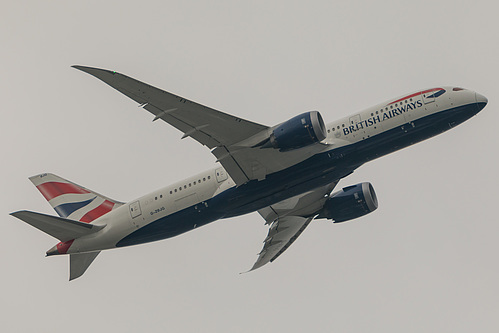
[
  {"x": 79, "y": 262},
  {"x": 58, "y": 227}
]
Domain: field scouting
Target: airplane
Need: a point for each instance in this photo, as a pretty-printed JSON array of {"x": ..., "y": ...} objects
[{"x": 286, "y": 172}]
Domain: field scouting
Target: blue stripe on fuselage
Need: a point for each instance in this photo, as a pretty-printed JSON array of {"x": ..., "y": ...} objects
[{"x": 314, "y": 172}]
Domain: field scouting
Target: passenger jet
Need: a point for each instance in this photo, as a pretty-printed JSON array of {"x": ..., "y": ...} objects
[{"x": 286, "y": 172}]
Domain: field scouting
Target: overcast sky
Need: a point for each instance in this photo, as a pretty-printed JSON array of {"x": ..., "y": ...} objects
[{"x": 425, "y": 261}]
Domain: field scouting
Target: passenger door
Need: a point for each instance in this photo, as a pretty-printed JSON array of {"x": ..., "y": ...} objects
[
  {"x": 221, "y": 174},
  {"x": 135, "y": 213},
  {"x": 358, "y": 131}
]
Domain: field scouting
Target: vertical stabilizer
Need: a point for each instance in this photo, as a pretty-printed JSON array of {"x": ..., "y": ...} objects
[
  {"x": 78, "y": 263},
  {"x": 73, "y": 201}
]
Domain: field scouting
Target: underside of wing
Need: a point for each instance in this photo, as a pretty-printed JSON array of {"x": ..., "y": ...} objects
[
  {"x": 247, "y": 163},
  {"x": 210, "y": 127},
  {"x": 282, "y": 233},
  {"x": 288, "y": 219},
  {"x": 236, "y": 143}
]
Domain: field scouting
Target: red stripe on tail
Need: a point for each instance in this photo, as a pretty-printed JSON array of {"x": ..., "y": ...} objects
[
  {"x": 104, "y": 208},
  {"x": 52, "y": 190}
]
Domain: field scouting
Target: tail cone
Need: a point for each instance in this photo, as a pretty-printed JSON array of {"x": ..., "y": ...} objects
[
  {"x": 60, "y": 248},
  {"x": 53, "y": 251}
]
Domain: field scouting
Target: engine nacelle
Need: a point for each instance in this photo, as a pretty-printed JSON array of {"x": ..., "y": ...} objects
[
  {"x": 300, "y": 131},
  {"x": 349, "y": 203}
]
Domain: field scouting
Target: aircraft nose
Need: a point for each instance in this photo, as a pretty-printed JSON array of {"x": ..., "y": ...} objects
[{"x": 481, "y": 100}]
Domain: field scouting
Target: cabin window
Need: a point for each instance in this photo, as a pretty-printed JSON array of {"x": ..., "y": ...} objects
[
  {"x": 175, "y": 190},
  {"x": 171, "y": 192},
  {"x": 209, "y": 177}
]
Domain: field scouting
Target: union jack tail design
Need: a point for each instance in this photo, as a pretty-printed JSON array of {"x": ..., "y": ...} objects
[{"x": 73, "y": 201}]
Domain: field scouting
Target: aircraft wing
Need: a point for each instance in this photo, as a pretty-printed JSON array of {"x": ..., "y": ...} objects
[
  {"x": 288, "y": 219},
  {"x": 210, "y": 127},
  {"x": 231, "y": 139}
]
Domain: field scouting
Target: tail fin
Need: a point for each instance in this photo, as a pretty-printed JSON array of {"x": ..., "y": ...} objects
[{"x": 73, "y": 201}]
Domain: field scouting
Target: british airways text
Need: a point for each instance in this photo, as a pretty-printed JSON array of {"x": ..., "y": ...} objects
[{"x": 380, "y": 118}]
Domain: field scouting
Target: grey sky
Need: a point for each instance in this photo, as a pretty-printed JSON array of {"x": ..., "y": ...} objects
[{"x": 425, "y": 261}]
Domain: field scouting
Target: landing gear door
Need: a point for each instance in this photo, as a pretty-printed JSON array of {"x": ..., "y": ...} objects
[
  {"x": 221, "y": 175},
  {"x": 135, "y": 209}
]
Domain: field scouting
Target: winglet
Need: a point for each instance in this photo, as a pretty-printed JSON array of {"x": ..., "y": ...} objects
[
  {"x": 104, "y": 75},
  {"x": 94, "y": 71}
]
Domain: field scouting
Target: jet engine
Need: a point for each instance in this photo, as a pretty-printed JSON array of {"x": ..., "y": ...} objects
[
  {"x": 300, "y": 131},
  {"x": 349, "y": 203}
]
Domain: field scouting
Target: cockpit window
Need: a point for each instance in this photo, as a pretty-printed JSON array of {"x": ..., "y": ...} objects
[{"x": 457, "y": 89}]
